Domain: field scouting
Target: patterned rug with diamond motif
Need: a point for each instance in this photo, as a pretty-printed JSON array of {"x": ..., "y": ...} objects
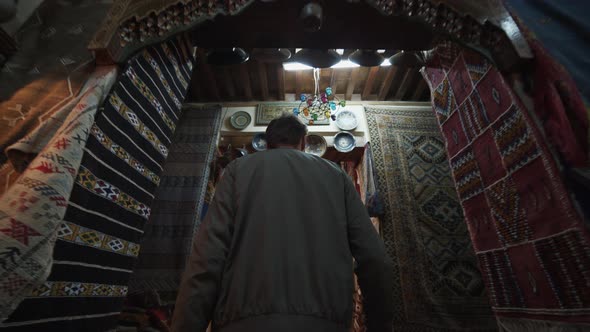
[{"x": 438, "y": 286}]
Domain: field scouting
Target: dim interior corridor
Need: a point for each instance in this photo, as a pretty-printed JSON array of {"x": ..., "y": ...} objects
[{"x": 463, "y": 127}]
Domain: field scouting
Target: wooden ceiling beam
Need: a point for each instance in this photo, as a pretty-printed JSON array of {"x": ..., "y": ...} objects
[
  {"x": 412, "y": 85},
  {"x": 229, "y": 82},
  {"x": 245, "y": 81},
  {"x": 419, "y": 90},
  {"x": 209, "y": 76},
  {"x": 425, "y": 95},
  {"x": 386, "y": 84},
  {"x": 298, "y": 82},
  {"x": 403, "y": 86},
  {"x": 281, "y": 82},
  {"x": 354, "y": 75},
  {"x": 369, "y": 83},
  {"x": 263, "y": 80},
  {"x": 333, "y": 84},
  {"x": 195, "y": 85},
  {"x": 212, "y": 82}
]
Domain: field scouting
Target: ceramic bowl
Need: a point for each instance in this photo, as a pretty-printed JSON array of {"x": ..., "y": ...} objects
[
  {"x": 344, "y": 141},
  {"x": 259, "y": 142},
  {"x": 240, "y": 120},
  {"x": 316, "y": 145},
  {"x": 346, "y": 120}
]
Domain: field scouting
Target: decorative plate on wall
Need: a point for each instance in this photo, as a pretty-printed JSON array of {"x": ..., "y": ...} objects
[
  {"x": 346, "y": 120},
  {"x": 240, "y": 120},
  {"x": 316, "y": 145},
  {"x": 344, "y": 142},
  {"x": 259, "y": 142}
]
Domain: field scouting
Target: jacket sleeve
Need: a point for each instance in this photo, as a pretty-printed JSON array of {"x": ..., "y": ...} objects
[
  {"x": 200, "y": 285},
  {"x": 374, "y": 269}
]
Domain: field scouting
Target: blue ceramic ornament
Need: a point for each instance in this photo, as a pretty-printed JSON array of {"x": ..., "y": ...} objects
[
  {"x": 303, "y": 97},
  {"x": 328, "y": 91}
]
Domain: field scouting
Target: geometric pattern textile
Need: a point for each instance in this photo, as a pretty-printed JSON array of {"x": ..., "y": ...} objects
[
  {"x": 47, "y": 72},
  {"x": 32, "y": 209},
  {"x": 98, "y": 243},
  {"x": 438, "y": 286},
  {"x": 177, "y": 205},
  {"x": 531, "y": 244}
]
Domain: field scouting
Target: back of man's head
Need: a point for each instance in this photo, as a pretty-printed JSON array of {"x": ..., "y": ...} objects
[{"x": 287, "y": 130}]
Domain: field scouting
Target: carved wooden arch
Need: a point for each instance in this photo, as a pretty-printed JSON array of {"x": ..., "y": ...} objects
[{"x": 133, "y": 24}]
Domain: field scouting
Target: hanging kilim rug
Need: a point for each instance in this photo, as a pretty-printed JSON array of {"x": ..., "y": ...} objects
[
  {"x": 167, "y": 242},
  {"x": 438, "y": 286},
  {"x": 532, "y": 245}
]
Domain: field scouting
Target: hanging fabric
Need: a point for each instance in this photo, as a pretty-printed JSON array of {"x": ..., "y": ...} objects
[
  {"x": 531, "y": 243},
  {"x": 48, "y": 70},
  {"x": 557, "y": 101},
  {"x": 177, "y": 205},
  {"x": 563, "y": 28},
  {"x": 33, "y": 208},
  {"x": 437, "y": 284},
  {"x": 99, "y": 240},
  {"x": 369, "y": 193}
]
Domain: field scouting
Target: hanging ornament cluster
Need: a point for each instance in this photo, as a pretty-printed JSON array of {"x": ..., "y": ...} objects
[{"x": 318, "y": 108}]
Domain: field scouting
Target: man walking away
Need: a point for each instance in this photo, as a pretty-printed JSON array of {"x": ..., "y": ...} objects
[{"x": 275, "y": 250}]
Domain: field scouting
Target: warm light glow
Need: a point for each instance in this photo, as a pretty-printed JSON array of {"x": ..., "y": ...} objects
[
  {"x": 295, "y": 66},
  {"x": 340, "y": 51},
  {"x": 342, "y": 64},
  {"x": 380, "y": 51},
  {"x": 345, "y": 64}
]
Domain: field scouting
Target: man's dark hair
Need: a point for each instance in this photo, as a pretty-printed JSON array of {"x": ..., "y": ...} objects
[{"x": 286, "y": 130}]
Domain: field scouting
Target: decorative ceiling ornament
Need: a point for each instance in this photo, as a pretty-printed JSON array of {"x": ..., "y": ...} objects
[
  {"x": 317, "y": 58},
  {"x": 226, "y": 56},
  {"x": 319, "y": 108},
  {"x": 366, "y": 58},
  {"x": 150, "y": 20}
]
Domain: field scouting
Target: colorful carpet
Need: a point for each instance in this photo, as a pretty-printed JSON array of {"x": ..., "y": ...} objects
[
  {"x": 438, "y": 284},
  {"x": 167, "y": 241},
  {"x": 98, "y": 242},
  {"x": 532, "y": 246}
]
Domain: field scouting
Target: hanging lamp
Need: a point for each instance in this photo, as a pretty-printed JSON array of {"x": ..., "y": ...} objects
[
  {"x": 317, "y": 58},
  {"x": 271, "y": 54},
  {"x": 318, "y": 108},
  {"x": 226, "y": 56},
  {"x": 406, "y": 59},
  {"x": 366, "y": 58},
  {"x": 311, "y": 17}
]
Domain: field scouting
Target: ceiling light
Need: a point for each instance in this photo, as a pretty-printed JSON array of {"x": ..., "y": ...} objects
[
  {"x": 295, "y": 66},
  {"x": 345, "y": 64},
  {"x": 271, "y": 54},
  {"x": 317, "y": 58},
  {"x": 291, "y": 66},
  {"x": 227, "y": 56},
  {"x": 366, "y": 58},
  {"x": 406, "y": 59},
  {"x": 340, "y": 51}
]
